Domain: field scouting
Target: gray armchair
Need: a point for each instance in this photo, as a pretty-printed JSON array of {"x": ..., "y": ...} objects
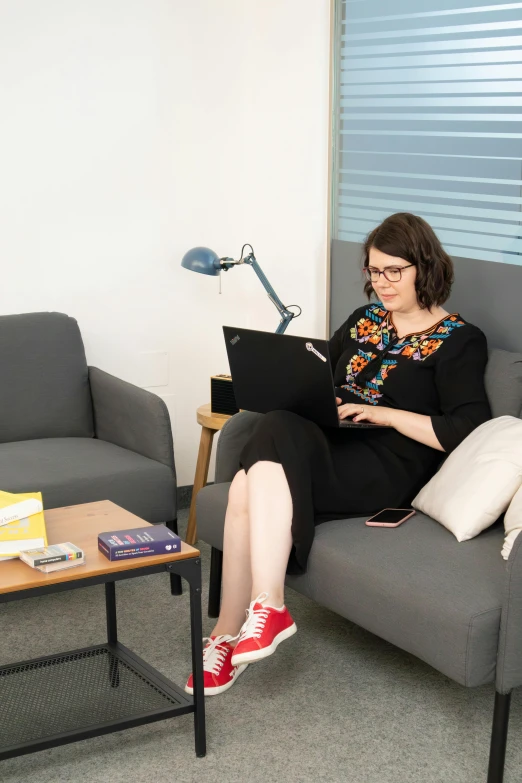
[{"x": 76, "y": 433}]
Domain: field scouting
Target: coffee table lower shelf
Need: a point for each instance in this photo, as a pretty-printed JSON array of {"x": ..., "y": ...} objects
[{"x": 72, "y": 696}]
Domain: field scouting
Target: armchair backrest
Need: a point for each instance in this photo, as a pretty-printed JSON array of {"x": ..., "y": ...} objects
[{"x": 44, "y": 383}]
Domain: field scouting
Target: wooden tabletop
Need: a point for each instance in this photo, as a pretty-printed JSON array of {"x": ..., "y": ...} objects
[
  {"x": 214, "y": 421},
  {"x": 80, "y": 525}
]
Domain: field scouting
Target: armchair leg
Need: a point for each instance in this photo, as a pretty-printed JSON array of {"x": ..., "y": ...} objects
[
  {"x": 175, "y": 580},
  {"x": 499, "y": 734},
  {"x": 214, "y": 591}
]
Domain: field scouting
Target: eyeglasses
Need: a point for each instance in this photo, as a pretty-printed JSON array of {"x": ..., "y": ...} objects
[{"x": 392, "y": 273}]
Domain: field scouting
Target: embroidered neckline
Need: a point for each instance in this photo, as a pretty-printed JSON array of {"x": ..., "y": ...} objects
[{"x": 425, "y": 332}]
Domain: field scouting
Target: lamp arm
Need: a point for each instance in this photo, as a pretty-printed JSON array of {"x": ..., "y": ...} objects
[{"x": 286, "y": 315}]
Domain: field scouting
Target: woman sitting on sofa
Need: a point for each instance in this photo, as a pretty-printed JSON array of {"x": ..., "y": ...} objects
[{"x": 402, "y": 362}]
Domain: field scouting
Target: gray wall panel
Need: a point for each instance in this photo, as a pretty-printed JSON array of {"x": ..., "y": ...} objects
[{"x": 485, "y": 293}]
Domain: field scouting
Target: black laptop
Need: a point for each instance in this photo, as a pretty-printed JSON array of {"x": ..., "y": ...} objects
[{"x": 283, "y": 372}]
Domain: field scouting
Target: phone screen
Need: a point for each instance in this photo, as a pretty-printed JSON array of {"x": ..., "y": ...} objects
[{"x": 391, "y": 515}]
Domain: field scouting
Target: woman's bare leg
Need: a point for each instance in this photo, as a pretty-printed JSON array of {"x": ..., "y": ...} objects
[
  {"x": 257, "y": 542},
  {"x": 237, "y": 576},
  {"x": 270, "y": 512}
]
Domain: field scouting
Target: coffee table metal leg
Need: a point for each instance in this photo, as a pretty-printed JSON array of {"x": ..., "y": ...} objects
[
  {"x": 110, "y": 605},
  {"x": 196, "y": 633},
  {"x": 112, "y": 630}
]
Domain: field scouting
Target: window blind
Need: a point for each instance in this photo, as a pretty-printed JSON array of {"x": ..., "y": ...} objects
[{"x": 428, "y": 110}]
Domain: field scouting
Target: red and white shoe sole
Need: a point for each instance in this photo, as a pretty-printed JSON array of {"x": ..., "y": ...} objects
[
  {"x": 220, "y": 688},
  {"x": 257, "y": 655}
]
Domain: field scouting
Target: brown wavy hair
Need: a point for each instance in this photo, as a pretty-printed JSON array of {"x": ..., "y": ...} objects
[{"x": 409, "y": 237}]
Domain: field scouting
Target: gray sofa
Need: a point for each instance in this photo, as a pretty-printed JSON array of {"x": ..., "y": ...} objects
[
  {"x": 76, "y": 433},
  {"x": 456, "y": 606}
]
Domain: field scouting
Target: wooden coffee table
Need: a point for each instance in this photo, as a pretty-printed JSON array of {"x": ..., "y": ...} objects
[{"x": 83, "y": 693}]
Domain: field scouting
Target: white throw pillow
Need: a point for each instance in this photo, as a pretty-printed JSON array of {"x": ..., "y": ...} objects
[{"x": 477, "y": 481}]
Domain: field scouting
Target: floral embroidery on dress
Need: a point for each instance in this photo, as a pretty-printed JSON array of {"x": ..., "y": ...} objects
[
  {"x": 374, "y": 327},
  {"x": 420, "y": 346}
]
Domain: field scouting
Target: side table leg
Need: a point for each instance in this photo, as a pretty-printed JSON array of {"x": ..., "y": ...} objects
[
  {"x": 200, "y": 479},
  {"x": 112, "y": 631},
  {"x": 196, "y": 634}
]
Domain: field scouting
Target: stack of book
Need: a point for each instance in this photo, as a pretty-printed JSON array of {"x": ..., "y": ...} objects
[
  {"x": 53, "y": 558},
  {"x": 22, "y": 523}
]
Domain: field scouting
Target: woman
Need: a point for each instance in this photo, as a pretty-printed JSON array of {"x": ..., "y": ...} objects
[{"x": 403, "y": 362}]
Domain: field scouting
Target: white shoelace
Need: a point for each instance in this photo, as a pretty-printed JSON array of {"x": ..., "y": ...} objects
[
  {"x": 215, "y": 653},
  {"x": 256, "y": 619}
]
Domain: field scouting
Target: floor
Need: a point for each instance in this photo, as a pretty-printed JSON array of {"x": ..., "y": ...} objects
[{"x": 334, "y": 703}]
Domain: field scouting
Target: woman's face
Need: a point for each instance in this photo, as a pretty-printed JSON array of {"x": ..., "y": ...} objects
[{"x": 399, "y": 296}]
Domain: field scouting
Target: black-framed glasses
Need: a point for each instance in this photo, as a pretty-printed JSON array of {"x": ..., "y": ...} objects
[{"x": 392, "y": 273}]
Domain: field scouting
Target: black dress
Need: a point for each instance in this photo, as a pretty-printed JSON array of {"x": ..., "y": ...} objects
[{"x": 333, "y": 473}]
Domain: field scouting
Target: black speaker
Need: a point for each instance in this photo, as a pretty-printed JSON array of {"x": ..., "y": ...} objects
[{"x": 222, "y": 399}]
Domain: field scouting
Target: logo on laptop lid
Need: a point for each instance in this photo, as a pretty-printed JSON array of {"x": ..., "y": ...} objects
[
  {"x": 310, "y": 347},
  {"x": 234, "y": 340}
]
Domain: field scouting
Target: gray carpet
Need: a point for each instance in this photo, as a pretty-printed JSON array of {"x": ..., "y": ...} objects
[{"x": 334, "y": 703}]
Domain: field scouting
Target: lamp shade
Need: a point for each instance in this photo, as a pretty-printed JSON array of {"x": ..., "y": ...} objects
[{"x": 202, "y": 259}]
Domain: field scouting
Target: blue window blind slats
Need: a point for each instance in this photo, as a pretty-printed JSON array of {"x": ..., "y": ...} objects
[
  {"x": 428, "y": 119},
  {"x": 381, "y": 74},
  {"x": 444, "y": 177},
  {"x": 446, "y": 155},
  {"x": 464, "y": 134},
  {"x": 446, "y": 195},
  {"x": 441, "y": 12},
  {"x": 448, "y": 101},
  {"x": 424, "y": 60},
  {"x": 424, "y": 207},
  {"x": 374, "y": 216},
  {"x": 427, "y": 31},
  {"x": 512, "y": 86},
  {"x": 433, "y": 45},
  {"x": 511, "y": 244},
  {"x": 400, "y": 116}
]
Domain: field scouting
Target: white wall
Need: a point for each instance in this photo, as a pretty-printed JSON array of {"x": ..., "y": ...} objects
[{"x": 132, "y": 130}]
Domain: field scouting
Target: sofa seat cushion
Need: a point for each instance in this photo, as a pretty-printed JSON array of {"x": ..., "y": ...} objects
[
  {"x": 414, "y": 586},
  {"x": 69, "y": 471}
]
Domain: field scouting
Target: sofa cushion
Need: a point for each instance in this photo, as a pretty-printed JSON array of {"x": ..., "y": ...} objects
[
  {"x": 69, "y": 471},
  {"x": 503, "y": 381},
  {"x": 414, "y": 586},
  {"x": 44, "y": 386},
  {"x": 477, "y": 481}
]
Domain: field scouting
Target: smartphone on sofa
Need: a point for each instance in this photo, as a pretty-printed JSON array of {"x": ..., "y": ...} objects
[{"x": 390, "y": 517}]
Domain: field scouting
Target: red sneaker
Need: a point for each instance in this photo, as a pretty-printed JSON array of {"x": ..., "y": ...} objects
[
  {"x": 218, "y": 672},
  {"x": 264, "y": 628}
]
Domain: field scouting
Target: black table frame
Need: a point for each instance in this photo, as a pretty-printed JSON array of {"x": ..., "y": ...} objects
[{"x": 190, "y": 570}]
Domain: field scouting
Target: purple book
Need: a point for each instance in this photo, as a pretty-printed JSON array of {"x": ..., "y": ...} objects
[{"x": 139, "y": 542}]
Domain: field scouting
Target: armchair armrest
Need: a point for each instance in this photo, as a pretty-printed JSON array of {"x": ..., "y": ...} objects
[
  {"x": 131, "y": 417},
  {"x": 509, "y": 659},
  {"x": 232, "y": 438}
]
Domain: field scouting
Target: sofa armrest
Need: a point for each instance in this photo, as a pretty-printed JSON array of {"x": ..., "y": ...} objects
[
  {"x": 509, "y": 660},
  {"x": 131, "y": 417},
  {"x": 232, "y": 438}
]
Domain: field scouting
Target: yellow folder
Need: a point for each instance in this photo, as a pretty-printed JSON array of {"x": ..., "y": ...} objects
[{"x": 22, "y": 534}]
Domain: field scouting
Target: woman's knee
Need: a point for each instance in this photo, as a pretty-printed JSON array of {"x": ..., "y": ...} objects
[
  {"x": 238, "y": 493},
  {"x": 279, "y": 417}
]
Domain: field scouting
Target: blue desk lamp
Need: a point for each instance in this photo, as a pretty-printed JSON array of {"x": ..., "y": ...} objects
[{"x": 204, "y": 260}]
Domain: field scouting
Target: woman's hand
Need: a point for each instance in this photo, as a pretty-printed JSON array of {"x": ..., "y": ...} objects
[
  {"x": 413, "y": 425},
  {"x": 370, "y": 413}
]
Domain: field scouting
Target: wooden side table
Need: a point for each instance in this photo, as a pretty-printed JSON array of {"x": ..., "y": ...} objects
[{"x": 210, "y": 423}]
